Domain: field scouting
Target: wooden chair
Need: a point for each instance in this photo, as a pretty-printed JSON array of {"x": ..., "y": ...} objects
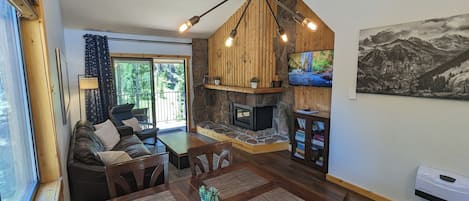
[
  {"x": 222, "y": 149},
  {"x": 123, "y": 174}
]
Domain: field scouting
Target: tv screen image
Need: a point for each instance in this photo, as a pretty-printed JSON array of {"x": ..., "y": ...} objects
[{"x": 311, "y": 68}]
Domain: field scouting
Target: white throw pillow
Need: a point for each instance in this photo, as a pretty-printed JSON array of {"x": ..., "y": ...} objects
[
  {"x": 99, "y": 126},
  {"x": 113, "y": 157},
  {"x": 133, "y": 122},
  {"x": 108, "y": 135}
]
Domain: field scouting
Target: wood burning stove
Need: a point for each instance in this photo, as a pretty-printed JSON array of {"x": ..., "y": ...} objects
[{"x": 252, "y": 117}]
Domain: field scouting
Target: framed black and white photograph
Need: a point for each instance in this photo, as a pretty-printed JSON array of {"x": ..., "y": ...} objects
[
  {"x": 64, "y": 87},
  {"x": 428, "y": 58}
]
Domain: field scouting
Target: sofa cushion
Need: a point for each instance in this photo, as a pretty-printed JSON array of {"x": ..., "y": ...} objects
[
  {"x": 108, "y": 134},
  {"x": 132, "y": 145},
  {"x": 100, "y": 125},
  {"x": 133, "y": 122},
  {"x": 87, "y": 144},
  {"x": 113, "y": 157}
]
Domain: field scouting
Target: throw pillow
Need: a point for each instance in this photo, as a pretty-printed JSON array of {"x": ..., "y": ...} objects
[
  {"x": 133, "y": 122},
  {"x": 108, "y": 135},
  {"x": 99, "y": 126},
  {"x": 113, "y": 157}
]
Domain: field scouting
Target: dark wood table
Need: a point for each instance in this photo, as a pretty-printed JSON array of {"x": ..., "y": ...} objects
[
  {"x": 177, "y": 145},
  {"x": 180, "y": 190},
  {"x": 188, "y": 189}
]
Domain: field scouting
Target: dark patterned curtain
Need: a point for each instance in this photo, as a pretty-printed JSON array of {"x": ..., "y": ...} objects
[{"x": 98, "y": 64}]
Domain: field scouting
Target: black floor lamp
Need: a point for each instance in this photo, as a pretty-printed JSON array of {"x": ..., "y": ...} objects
[{"x": 86, "y": 83}]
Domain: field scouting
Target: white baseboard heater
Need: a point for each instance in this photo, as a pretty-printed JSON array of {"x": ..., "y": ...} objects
[{"x": 436, "y": 185}]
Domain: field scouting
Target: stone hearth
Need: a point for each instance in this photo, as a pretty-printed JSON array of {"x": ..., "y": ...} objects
[{"x": 267, "y": 136}]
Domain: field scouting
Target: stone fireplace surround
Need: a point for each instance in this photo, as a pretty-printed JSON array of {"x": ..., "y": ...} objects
[{"x": 218, "y": 110}]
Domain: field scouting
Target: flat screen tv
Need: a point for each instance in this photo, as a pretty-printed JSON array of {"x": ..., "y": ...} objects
[{"x": 311, "y": 68}]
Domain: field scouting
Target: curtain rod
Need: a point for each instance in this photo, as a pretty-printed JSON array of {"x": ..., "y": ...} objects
[{"x": 148, "y": 41}]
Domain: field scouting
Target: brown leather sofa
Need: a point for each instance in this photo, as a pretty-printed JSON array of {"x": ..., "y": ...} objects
[{"x": 85, "y": 170}]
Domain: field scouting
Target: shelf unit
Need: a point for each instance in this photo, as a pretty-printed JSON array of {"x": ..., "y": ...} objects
[
  {"x": 246, "y": 90},
  {"x": 310, "y": 143}
]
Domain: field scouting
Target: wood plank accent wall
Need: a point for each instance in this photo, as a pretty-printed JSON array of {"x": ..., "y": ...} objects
[
  {"x": 316, "y": 98},
  {"x": 252, "y": 54},
  {"x": 306, "y": 40}
]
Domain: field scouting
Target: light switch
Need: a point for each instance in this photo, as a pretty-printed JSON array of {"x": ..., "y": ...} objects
[{"x": 352, "y": 94}]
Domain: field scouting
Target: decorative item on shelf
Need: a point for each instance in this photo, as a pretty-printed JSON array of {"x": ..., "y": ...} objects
[
  {"x": 205, "y": 79},
  {"x": 276, "y": 82},
  {"x": 210, "y": 194},
  {"x": 254, "y": 82},
  {"x": 307, "y": 111},
  {"x": 217, "y": 80},
  {"x": 297, "y": 17}
]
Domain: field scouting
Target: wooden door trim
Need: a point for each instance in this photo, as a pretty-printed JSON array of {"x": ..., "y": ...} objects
[{"x": 187, "y": 65}]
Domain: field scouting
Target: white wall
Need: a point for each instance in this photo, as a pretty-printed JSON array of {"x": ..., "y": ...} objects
[
  {"x": 55, "y": 39},
  {"x": 378, "y": 141},
  {"x": 75, "y": 46}
]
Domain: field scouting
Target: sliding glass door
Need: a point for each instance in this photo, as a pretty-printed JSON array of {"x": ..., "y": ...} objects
[
  {"x": 156, "y": 86},
  {"x": 134, "y": 84},
  {"x": 170, "y": 96}
]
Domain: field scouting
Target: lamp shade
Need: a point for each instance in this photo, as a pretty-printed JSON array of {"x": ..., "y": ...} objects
[{"x": 89, "y": 83}]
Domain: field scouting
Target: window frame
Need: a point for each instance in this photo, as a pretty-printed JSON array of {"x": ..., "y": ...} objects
[{"x": 20, "y": 57}]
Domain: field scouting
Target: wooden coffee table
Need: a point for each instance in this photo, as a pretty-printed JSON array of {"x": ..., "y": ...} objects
[{"x": 177, "y": 145}]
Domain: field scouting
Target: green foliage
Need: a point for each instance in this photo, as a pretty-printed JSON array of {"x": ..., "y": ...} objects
[
  {"x": 134, "y": 83},
  {"x": 320, "y": 65},
  {"x": 323, "y": 61},
  {"x": 254, "y": 79}
]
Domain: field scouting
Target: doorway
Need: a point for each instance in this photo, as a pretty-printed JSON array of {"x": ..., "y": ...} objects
[
  {"x": 157, "y": 85},
  {"x": 170, "y": 93}
]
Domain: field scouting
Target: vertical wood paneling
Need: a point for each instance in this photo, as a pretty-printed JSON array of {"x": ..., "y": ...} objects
[
  {"x": 307, "y": 40},
  {"x": 315, "y": 98},
  {"x": 252, "y": 53}
]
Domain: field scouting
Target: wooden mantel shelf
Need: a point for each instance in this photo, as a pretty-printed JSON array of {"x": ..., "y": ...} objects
[{"x": 245, "y": 90}]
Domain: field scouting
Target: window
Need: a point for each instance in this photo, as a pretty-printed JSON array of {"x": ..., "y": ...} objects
[
  {"x": 18, "y": 167},
  {"x": 157, "y": 87}
]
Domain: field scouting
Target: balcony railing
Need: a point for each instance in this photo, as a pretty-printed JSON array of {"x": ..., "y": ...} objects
[{"x": 169, "y": 105}]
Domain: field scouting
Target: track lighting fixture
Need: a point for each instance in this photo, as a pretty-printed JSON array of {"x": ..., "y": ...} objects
[
  {"x": 281, "y": 31},
  {"x": 195, "y": 19},
  {"x": 283, "y": 35},
  {"x": 230, "y": 39},
  {"x": 297, "y": 16},
  {"x": 188, "y": 24},
  {"x": 300, "y": 19}
]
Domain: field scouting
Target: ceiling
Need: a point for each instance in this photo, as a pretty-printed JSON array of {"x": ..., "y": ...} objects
[{"x": 146, "y": 17}]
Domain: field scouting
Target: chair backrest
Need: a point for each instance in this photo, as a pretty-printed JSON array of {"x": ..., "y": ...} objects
[
  {"x": 222, "y": 149},
  {"x": 119, "y": 113},
  {"x": 130, "y": 176},
  {"x": 141, "y": 114}
]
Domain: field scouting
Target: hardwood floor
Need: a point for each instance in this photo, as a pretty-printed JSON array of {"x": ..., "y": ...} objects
[{"x": 281, "y": 164}]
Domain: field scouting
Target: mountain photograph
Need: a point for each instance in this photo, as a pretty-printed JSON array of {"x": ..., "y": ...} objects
[{"x": 428, "y": 58}]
